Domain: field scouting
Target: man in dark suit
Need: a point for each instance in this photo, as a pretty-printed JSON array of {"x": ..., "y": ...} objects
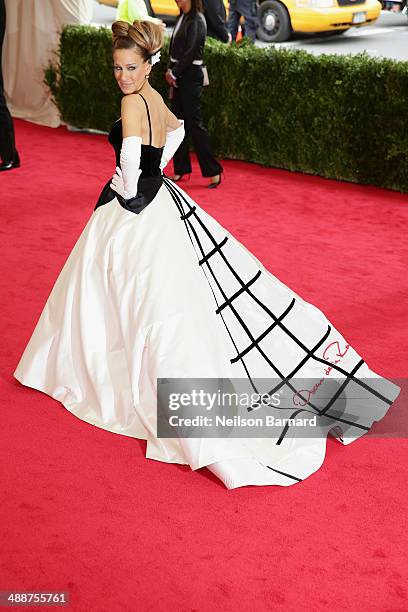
[
  {"x": 8, "y": 152},
  {"x": 216, "y": 16},
  {"x": 247, "y": 9}
]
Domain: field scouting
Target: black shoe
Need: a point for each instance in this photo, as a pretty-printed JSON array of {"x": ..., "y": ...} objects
[
  {"x": 214, "y": 185},
  {"x": 176, "y": 178},
  {"x": 9, "y": 165}
]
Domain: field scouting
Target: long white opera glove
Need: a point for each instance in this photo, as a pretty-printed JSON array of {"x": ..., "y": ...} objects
[
  {"x": 124, "y": 182},
  {"x": 173, "y": 141}
]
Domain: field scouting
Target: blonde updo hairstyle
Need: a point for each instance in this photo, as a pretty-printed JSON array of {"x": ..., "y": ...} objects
[{"x": 145, "y": 37}]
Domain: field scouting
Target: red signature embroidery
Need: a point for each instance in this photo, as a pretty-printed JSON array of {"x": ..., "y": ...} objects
[
  {"x": 328, "y": 355},
  {"x": 307, "y": 393},
  {"x": 338, "y": 354}
]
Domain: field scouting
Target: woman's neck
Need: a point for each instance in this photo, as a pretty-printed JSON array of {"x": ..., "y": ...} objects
[{"x": 144, "y": 88}]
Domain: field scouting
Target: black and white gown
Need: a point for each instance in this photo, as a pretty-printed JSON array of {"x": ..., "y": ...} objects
[{"x": 157, "y": 288}]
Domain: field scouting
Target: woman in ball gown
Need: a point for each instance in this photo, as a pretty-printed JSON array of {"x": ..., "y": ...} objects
[{"x": 155, "y": 289}]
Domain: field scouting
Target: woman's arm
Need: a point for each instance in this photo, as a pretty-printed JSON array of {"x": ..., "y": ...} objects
[
  {"x": 125, "y": 181},
  {"x": 175, "y": 136},
  {"x": 131, "y": 115},
  {"x": 172, "y": 123}
]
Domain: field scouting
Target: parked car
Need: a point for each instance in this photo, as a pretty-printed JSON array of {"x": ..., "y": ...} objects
[{"x": 279, "y": 18}]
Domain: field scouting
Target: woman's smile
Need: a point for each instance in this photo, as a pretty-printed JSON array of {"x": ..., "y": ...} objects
[{"x": 129, "y": 69}]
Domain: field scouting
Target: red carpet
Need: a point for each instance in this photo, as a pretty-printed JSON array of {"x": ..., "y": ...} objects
[{"x": 82, "y": 509}]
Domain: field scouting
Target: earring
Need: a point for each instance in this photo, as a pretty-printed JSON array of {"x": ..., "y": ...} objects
[{"x": 146, "y": 76}]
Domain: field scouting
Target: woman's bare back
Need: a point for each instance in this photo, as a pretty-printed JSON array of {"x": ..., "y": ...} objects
[{"x": 135, "y": 120}]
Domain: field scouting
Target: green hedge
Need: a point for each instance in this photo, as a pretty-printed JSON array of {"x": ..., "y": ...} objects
[{"x": 342, "y": 117}]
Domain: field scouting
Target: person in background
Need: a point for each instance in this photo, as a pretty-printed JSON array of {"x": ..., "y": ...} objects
[
  {"x": 216, "y": 17},
  {"x": 247, "y": 9},
  {"x": 136, "y": 10},
  {"x": 8, "y": 152},
  {"x": 185, "y": 77},
  {"x": 31, "y": 40}
]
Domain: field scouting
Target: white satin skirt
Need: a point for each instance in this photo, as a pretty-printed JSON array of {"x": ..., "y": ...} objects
[{"x": 170, "y": 293}]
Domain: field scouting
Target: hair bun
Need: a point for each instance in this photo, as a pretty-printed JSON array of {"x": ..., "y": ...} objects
[
  {"x": 120, "y": 29},
  {"x": 145, "y": 36}
]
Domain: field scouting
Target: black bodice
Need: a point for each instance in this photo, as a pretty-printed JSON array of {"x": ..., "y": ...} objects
[
  {"x": 151, "y": 177},
  {"x": 150, "y": 156}
]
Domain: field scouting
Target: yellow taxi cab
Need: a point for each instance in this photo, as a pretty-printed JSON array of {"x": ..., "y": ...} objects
[
  {"x": 163, "y": 9},
  {"x": 279, "y": 18}
]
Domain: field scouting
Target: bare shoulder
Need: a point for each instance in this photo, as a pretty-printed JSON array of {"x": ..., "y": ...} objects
[
  {"x": 172, "y": 122},
  {"x": 131, "y": 114},
  {"x": 158, "y": 96},
  {"x": 131, "y": 104}
]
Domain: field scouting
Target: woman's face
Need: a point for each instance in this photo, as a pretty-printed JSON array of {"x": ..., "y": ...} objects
[
  {"x": 130, "y": 70},
  {"x": 184, "y": 5}
]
